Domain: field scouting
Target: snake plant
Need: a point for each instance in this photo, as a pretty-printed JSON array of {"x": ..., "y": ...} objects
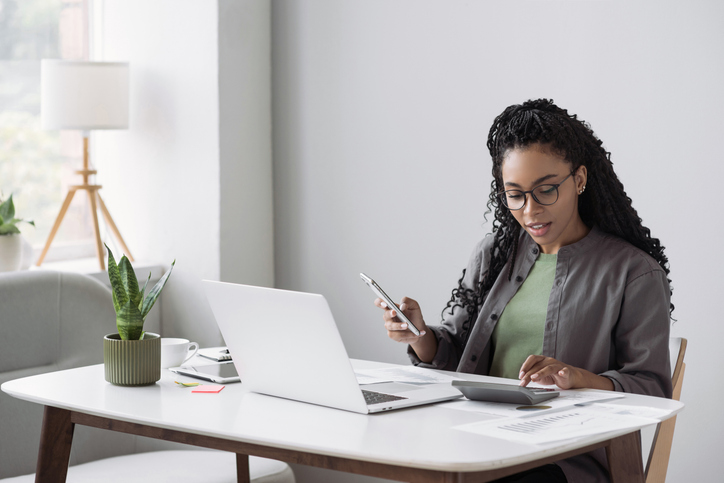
[
  {"x": 7, "y": 218},
  {"x": 129, "y": 302}
]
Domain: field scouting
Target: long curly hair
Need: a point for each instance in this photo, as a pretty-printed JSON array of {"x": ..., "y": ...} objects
[{"x": 604, "y": 203}]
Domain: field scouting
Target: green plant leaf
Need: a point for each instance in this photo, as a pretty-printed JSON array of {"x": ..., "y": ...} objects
[
  {"x": 155, "y": 292},
  {"x": 7, "y": 218},
  {"x": 7, "y": 209},
  {"x": 130, "y": 282},
  {"x": 120, "y": 298},
  {"x": 116, "y": 305},
  {"x": 129, "y": 321},
  {"x": 8, "y": 229},
  {"x": 15, "y": 221},
  {"x": 143, "y": 291}
]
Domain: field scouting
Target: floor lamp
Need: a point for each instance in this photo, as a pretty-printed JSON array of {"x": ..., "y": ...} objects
[{"x": 84, "y": 96}]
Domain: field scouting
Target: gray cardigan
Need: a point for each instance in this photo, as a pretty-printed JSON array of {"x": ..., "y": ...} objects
[{"x": 608, "y": 313}]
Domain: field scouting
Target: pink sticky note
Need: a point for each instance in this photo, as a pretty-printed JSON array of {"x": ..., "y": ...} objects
[{"x": 208, "y": 389}]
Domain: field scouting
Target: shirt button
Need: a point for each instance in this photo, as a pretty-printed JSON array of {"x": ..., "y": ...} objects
[
  {"x": 474, "y": 358},
  {"x": 518, "y": 279},
  {"x": 494, "y": 317},
  {"x": 558, "y": 283},
  {"x": 535, "y": 251}
]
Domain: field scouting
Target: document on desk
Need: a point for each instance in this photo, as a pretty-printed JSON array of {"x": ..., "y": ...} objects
[
  {"x": 566, "y": 399},
  {"x": 557, "y": 426},
  {"x": 640, "y": 411},
  {"x": 410, "y": 375}
]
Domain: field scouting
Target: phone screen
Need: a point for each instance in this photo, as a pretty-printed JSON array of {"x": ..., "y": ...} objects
[
  {"x": 224, "y": 372},
  {"x": 218, "y": 370},
  {"x": 381, "y": 294}
]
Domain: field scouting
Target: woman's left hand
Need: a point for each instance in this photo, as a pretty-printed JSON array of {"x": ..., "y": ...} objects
[{"x": 547, "y": 371}]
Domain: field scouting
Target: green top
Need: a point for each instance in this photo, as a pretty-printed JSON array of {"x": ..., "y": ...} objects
[{"x": 519, "y": 332}]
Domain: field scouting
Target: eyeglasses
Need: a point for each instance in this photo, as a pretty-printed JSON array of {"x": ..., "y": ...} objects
[{"x": 545, "y": 194}]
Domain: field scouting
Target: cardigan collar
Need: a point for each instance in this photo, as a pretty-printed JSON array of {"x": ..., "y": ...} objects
[{"x": 588, "y": 242}]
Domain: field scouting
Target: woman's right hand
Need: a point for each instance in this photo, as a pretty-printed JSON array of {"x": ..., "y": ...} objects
[
  {"x": 398, "y": 330},
  {"x": 425, "y": 344}
]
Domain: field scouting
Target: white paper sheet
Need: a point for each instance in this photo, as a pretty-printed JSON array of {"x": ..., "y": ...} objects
[
  {"x": 564, "y": 400},
  {"x": 639, "y": 411},
  {"x": 410, "y": 375},
  {"x": 363, "y": 379},
  {"x": 556, "y": 426}
]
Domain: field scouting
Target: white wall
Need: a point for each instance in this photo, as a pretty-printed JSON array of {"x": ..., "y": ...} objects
[
  {"x": 247, "y": 227},
  {"x": 381, "y": 112},
  {"x": 190, "y": 179},
  {"x": 161, "y": 176}
]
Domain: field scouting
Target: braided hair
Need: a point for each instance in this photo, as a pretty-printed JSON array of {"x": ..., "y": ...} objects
[{"x": 604, "y": 203}]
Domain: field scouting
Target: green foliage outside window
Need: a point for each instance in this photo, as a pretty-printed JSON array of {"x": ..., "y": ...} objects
[{"x": 31, "y": 164}]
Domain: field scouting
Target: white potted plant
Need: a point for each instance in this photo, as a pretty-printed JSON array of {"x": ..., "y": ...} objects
[
  {"x": 11, "y": 242},
  {"x": 132, "y": 357}
]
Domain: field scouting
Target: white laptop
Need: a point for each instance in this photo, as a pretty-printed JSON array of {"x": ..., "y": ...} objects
[{"x": 286, "y": 344}]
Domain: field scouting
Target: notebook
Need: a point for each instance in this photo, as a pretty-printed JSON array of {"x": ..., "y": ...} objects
[{"x": 286, "y": 344}]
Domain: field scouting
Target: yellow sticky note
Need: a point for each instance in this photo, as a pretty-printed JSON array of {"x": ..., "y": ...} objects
[{"x": 187, "y": 384}]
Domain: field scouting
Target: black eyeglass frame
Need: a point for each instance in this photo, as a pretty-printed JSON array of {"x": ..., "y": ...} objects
[{"x": 502, "y": 196}]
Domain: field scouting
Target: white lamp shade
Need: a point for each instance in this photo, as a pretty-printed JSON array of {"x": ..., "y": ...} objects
[{"x": 84, "y": 95}]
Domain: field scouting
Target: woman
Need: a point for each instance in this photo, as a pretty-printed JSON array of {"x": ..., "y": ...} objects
[{"x": 569, "y": 289}]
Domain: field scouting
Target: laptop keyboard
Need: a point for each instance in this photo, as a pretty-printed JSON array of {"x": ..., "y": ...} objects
[{"x": 378, "y": 397}]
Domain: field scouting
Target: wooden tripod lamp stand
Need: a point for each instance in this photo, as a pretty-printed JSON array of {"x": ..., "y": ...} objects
[{"x": 85, "y": 96}]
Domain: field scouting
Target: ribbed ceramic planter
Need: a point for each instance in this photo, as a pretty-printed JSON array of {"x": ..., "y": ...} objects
[{"x": 132, "y": 362}]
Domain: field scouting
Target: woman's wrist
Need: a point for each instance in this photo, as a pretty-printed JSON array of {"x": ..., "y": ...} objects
[
  {"x": 425, "y": 346},
  {"x": 594, "y": 381}
]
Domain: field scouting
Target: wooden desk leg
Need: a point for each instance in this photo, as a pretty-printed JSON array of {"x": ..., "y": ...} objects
[
  {"x": 242, "y": 468},
  {"x": 624, "y": 458},
  {"x": 56, "y": 438}
]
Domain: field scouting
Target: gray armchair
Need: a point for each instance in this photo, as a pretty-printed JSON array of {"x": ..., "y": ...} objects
[{"x": 52, "y": 321}]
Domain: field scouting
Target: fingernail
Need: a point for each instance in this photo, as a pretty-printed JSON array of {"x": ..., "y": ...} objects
[
  {"x": 422, "y": 333},
  {"x": 383, "y": 304},
  {"x": 404, "y": 326},
  {"x": 520, "y": 376},
  {"x": 534, "y": 376}
]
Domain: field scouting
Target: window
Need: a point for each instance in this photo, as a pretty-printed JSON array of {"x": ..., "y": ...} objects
[{"x": 37, "y": 166}]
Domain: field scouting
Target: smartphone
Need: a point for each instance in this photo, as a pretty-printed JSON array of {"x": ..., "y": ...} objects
[
  {"x": 381, "y": 294},
  {"x": 223, "y": 372}
]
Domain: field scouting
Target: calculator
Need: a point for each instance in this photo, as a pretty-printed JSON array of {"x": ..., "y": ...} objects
[{"x": 505, "y": 393}]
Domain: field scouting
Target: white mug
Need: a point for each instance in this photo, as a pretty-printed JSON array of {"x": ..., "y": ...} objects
[{"x": 175, "y": 352}]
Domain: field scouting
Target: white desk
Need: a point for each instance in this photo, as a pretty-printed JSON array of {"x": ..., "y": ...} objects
[{"x": 392, "y": 445}]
